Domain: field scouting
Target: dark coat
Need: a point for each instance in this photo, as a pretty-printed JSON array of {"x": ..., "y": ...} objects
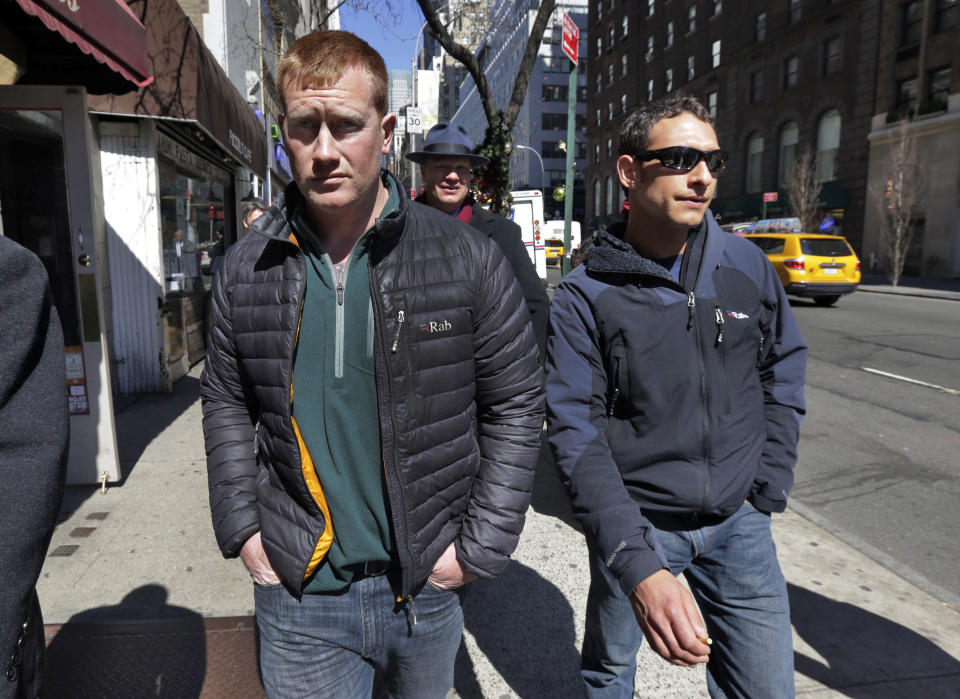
[
  {"x": 459, "y": 387},
  {"x": 34, "y": 429},
  {"x": 509, "y": 237},
  {"x": 672, "y": 401}
]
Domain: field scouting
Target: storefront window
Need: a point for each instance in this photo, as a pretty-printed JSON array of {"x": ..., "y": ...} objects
[
  {"x": 196, "y": 228},
  {"x": 192, "y": 226}
]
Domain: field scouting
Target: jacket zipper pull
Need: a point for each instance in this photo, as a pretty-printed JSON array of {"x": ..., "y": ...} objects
[
  {"x": 614, "y": 397},
  {"x": 396, "y": 338},
  {"x": 340, "y": 292},
  {"x": 719, "y": 325},
  {"x": 691, "y": 307},
  {"x": 413, "y": 610},
  {"x": 615, "y": 393}
]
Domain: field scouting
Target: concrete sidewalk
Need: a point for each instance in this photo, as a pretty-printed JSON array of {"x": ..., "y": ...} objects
[
  {"x": 935, "y": 288},
  {"x": 139, "y": 601}
]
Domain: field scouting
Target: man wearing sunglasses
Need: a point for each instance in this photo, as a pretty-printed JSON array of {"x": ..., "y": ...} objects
[{"x": 675, "y": 378}]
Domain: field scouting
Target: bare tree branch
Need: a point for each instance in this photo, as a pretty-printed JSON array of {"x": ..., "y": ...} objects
[
  {"x": 526, "y": 64},
  {"x": 501, "y": 119},
  {"x": 461, "y": 53},
  {"x": 898, "y": 200},
  {"x": 803, "y": 189}
]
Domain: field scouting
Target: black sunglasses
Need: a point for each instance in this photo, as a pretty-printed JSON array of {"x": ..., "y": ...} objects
[{"x": 683, "y": 158}]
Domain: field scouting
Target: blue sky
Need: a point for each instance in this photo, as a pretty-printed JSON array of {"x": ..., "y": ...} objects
[{"x": 392, "y": 32}]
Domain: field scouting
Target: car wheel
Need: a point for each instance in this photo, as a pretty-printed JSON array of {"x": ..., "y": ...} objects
[{"x": 825, "y": 300}]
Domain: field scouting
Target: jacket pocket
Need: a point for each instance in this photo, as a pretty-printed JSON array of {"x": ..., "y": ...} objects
[{"x": 616, "y": 373}]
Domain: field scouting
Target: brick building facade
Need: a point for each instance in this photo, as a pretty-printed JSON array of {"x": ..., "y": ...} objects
[
  {"x": 918, "y": 94},
  {"x": 779, "y": 77}
]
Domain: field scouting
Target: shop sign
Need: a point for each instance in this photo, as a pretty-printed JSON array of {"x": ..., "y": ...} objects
[
  {"x": 181, "y": 155},
  {"x": 242, "y": 148},
  {"x": 76, "y": 381}
]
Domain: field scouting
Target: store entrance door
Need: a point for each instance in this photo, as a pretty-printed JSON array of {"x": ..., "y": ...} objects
[{"x": 47, "y": 205}]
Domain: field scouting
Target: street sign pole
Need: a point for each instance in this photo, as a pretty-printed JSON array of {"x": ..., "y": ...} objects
[
  {"x": 571, "y": 47},
  {"x": 568, "y": 184}
]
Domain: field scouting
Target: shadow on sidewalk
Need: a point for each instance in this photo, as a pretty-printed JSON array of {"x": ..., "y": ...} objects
[
  {"x": 149, "y": 415},
  {"x": 524, "y": 626},
  {"x": 144, "y": 647},
  {"x": 862, "y": 649},
  {"x": 138, "y": 648},
  {"x": 142, "y": 419}
]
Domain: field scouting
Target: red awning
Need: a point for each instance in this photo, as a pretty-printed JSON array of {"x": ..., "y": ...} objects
[
  {"x": 107, "y": 30},
  {"x": 191, "y": 86}
]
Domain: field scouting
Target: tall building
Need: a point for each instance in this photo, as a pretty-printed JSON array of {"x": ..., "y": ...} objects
[
  {"x": 541, "y": 124},
  {"x": 467, "y": 21},
  {"x": 247, "y": 38},
  {"x": 400, "y": 87},
  {"x": 779, "y": 78},
  {"x": 918, "y": 91}
]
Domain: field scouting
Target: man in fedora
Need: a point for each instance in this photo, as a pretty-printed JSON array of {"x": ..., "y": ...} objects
[{"x": 445, "y": 166}]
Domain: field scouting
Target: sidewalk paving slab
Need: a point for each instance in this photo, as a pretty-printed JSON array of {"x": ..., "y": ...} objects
[{"x": 151, "y": 566}]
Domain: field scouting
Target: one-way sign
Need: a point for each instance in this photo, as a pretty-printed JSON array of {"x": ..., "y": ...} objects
[{"x": 571, "y": 38}]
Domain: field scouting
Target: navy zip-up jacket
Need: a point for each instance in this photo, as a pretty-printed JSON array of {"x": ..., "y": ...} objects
[{"x": 669, "y": 400}]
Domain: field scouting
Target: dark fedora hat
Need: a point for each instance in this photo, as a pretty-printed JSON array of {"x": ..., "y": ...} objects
[{"x": 447, "y": 140}]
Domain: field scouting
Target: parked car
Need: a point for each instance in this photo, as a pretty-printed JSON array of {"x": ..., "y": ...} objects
[{"x": 821, "y": 267}]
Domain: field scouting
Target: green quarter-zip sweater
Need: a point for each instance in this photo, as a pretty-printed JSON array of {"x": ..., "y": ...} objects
[{"x": 335, "y": 404}]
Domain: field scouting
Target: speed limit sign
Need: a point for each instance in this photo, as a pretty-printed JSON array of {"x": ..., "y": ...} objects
[{"x": 414, "y": 124}]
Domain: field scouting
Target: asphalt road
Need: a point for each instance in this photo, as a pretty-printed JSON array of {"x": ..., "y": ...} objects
[{"x": 880, "y": 457}]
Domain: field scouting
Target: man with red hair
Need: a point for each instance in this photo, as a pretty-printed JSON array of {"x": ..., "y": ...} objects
[{"x": 372, "y": 402}]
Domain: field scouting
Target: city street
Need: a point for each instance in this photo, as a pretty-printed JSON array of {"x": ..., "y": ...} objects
[
  {"x": 878, "y": 456},
  {"x": 135, "y": 574}
]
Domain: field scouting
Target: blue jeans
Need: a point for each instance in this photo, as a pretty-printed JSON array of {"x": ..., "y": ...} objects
[
  {"x": 734, "y": 575},
  {"x": 357, "y": 643}
]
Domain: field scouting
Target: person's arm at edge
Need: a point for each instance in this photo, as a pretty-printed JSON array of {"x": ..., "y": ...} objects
[
  {"x": 782, "y": 368},
  {"x": 228, "y": 427},
  {"x": 534, "y": 292},
  {"x": 509, "y": 420},
  {"x": 576, "y": 383}
]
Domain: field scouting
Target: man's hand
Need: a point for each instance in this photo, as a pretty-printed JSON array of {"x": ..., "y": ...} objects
[
  {"x": 670, "y": 620},
  {"x": 257, "y": 563},
  {"x": 448, "y": 573}
]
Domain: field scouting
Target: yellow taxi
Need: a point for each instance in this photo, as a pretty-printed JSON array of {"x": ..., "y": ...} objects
[
  {"x": 821, "y": 267},
  {"x": 553, "y": 251}
]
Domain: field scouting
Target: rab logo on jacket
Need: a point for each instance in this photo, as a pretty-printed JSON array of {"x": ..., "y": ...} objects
[
  {"x": 435, "y": 327},
  {"x": 738, "y": 315}
]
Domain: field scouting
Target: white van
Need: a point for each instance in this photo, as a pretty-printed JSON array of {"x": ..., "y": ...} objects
[{"x": 527, "y": 213}]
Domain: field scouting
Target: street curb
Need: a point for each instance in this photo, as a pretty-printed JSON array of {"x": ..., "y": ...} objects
[
  {"x": 942, "y": 595},
  {"x": 907, "y": 291}
]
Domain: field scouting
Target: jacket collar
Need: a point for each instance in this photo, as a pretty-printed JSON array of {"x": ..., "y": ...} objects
[
  {"x": 275, "y": 223},
  {"x": 609, "y": 254}
]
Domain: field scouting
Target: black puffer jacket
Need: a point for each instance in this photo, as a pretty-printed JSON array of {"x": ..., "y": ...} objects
[
  {"x": 458, "y": 382},
  {"x": 509, "y": 237}
]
